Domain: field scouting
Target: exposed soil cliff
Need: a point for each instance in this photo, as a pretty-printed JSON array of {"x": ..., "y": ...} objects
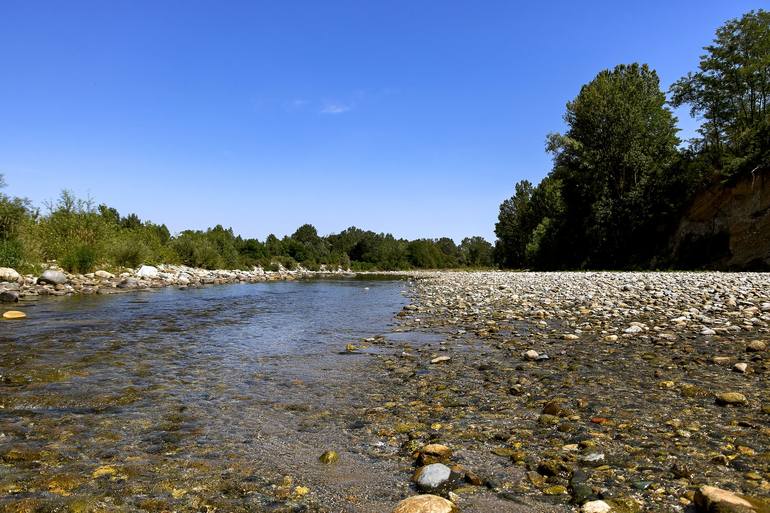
[{"x": 727, "y": 226}]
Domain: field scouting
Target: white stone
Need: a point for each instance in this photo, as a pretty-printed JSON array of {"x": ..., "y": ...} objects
[
  {"x": 741, "y": 367},
  {"x": 147, "y": 271},
  {"x": 8, "y": 274},
  {"x": 433, "y": 476},
  {"x": 531, "y": 354},
  {"x": 596, "y": 507}
]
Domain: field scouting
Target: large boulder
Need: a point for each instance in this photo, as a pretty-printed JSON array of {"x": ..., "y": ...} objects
[
  {"x": 53, "y": 277},
  {"x": 147, "y": 271},
  {"x": 8, "y": 274},
  {"x": 425, "y": 504}
]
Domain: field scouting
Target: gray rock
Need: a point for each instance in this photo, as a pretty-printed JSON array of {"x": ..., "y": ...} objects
[
  {"x": 8, "y": 274},
  {"x": 9, "y": 296},
  {"x": 53, "y": 277},
  {"x": 433, "y": 476},
  {"x": 129, "y": 283}
]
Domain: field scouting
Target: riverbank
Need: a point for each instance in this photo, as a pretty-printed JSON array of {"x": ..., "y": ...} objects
[
  {"x": 635, "y": 389},
  {"x": 55, "y": 282}
]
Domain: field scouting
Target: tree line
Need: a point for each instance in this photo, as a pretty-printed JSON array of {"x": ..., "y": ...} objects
[
  {"x": 621, "y": 178},
  {"x": 82, "y": 236}
]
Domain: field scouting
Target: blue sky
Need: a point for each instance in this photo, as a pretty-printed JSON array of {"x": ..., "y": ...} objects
[{"x": 411, "y": 117}]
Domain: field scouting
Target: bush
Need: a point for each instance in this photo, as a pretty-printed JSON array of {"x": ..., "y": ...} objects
[
  {"x": 129, "y": 252},
  {"x": 81, "y": 259},
  {"x": 11, "y": 254}
]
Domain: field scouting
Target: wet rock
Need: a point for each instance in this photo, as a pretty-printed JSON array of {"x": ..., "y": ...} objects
[
  {"x": 14, "y": 314},
  {"x": 596, "y": 507},
  {"x": 731, "y": 399},
  {"x": 710, "y": 499},
  {"x": 756, "y": 346},
  {"x": 531, "y": 354},
  {"x": 425, "y": 504},
  {"x": 440, "y": 359},
  {"x": 9, "y": 296},
  {"x": 432, "y": 477},
  {"x": 53, "y": 277},
  {"x": 434, "y": 453},
  {"x": 329, "y": 457}
]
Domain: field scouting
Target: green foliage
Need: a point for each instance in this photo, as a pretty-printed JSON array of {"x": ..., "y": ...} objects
[
  {"x": 612, "y": 170},
  {"x": 195, "y": 249},
  {"x": 731, "y": 92},
  {"x": 79, "y": 259},
  {"x": 128, "y": 252},
  {"x": 11, "y": 254},
  {"x": 476, "y": 252}
]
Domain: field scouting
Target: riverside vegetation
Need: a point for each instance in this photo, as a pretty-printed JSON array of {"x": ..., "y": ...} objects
[
  {"x": 621, "y": 182},
  {"x": 81, "y": 236}
]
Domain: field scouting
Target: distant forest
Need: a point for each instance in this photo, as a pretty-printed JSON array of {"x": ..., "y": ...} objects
[
  {"x": 82, "y": 236},
  {"x": 621, "y": 178}
]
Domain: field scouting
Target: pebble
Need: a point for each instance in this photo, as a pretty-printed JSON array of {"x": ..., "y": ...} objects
[
  {"x": 425, "y": 504},
  {"x": 596, "y": 507},
  {"x": 531, "y": 354},
  {"x": 13, "y": 314},
  {"x": 433, "y": 476},
  {"x": 440, "y": 359},
  {"x": 741, "y": 367},
  {"x": 731, "y": 398}
]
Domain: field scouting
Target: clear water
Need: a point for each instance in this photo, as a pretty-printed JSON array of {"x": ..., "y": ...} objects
[{"x": 188, "y": 400}]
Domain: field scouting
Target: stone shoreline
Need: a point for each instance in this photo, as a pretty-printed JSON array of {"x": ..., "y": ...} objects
[{"x": 55, "y": 282}]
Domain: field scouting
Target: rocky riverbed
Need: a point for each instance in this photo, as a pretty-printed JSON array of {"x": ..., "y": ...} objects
[
  {"x": 56, "y": 282},
  {"x": 514, "y": 392},
  {"x": 616, "y": 391}
]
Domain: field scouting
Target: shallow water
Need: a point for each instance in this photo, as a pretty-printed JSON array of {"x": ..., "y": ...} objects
[{"x": 192, "y": 400}]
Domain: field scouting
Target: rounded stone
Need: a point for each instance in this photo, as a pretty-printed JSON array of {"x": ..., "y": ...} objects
[
  {"x": 53, "y": 277},
  {"x": 433, "y": 476},
  {"x": 731, "y": 398},
  {"x": 596, "y": 507},
  {"x": 14, "y": 314},
  {"x": 425, "y": 504}
]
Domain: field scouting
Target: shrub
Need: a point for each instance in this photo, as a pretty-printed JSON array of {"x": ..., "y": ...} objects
[
  {"x": 81, "y": 259},
  {"x": 11, "y": 254},
  {"x": 129, "y": 252}
]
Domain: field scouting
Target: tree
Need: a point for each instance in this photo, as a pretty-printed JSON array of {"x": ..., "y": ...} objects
[
  {"x": 731, "y": 91},
  {"x": 512, "y": 228},
  {"x": 476, "y": 252},
  {"x": 621, "y": 139}
]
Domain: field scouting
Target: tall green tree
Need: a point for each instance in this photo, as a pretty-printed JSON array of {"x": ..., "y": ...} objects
[
  {"x": 621, "y": 139},
  {"x": 513, "y": 227},
  {"x": 731, "y": 92}
]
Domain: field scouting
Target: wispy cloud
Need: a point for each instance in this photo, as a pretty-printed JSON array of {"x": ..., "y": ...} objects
[
  {"x": 296, "y": 104},
  {"x": 336, "y": 108}
]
